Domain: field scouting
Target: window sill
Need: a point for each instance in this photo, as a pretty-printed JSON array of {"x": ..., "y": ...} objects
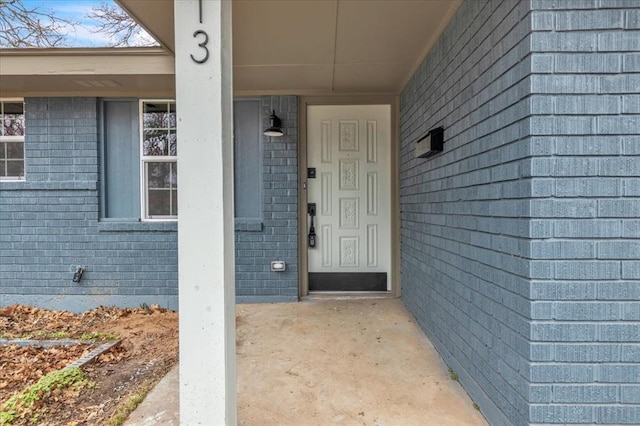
[
  {"x": 248, "y": 225},
  {"x": 134, "y": 225},
  {"x": 17, "y": 185}
]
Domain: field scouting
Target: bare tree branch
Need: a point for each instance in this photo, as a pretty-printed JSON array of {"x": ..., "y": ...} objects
[
  {"x": 22, "y": 26},
  {"x": 119, "y": 26}
]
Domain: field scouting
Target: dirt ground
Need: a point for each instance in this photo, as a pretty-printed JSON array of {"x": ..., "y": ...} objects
[{"x": 148, "y": 349}]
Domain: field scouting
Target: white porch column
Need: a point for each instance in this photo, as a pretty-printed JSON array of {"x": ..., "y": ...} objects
[{"x": 205, "y": 225}]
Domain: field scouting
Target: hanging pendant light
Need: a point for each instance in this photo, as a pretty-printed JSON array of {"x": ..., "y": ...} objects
[{"x": 276, "y": 126}]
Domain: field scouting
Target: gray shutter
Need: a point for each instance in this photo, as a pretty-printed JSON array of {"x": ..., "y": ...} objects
[
  {"x": 247, "y": 159},
  {"x": 121, "y": 160}
]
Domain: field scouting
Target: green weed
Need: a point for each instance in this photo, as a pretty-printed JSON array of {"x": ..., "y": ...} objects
[
  {"x": 452, "y": 374},
  {"x": 99, "y": 336},
  {"x": 24, "y": 405},
  {"x": 123, "y": 411},
  {"x": 46, "y": 335}
]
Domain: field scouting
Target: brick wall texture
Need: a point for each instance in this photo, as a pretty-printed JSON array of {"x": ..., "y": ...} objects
[
  {"x": 276, "y": 237},
  {"x": 50, "y": 224},
  {"x": 521, "y": 241}
]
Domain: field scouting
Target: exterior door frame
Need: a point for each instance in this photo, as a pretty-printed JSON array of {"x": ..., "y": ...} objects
[{"x": 303, "y": 103}]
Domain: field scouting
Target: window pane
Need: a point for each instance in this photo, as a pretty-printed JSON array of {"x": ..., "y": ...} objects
[
  {"x": 159, "y": 115},
  {"x": 11, "y": 159},
  {"x": 174, "y": 201},
  {"x": 15, "y": 150},
  {"x": 159, "y": 175},
  {"x": 14, "y": 108},
  {"x": 170, "y": 117},
  {"x": 153, "y": 120},
  {"x": 155, "y": 142},
  {"x": 12, "y": 119},
  {"x": 174, "y": 175},
  {"x": 13, "y": 125},
  {"x": 173, "y": 143},
  {"x": 155, "y": 107},
  {"x": 159, "y": 202},
  {"x": 15, "y": 168},
  {"x": 159, "y": 124}
]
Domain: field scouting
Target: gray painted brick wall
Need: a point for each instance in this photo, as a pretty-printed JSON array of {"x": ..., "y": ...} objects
[
  {"x": 50, "y": 223},
  {"x": 520, "y": 242},
  {"x": 464, "y": 213},
  {"x": 276, "y": 236},
  {"x": 590, "y": 315}
]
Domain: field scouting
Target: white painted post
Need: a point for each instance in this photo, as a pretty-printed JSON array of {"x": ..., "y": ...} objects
[{"x": 205, "y": 224}]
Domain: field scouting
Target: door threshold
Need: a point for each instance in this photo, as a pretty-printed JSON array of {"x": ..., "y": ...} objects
[{"x": 347, "y": 295}]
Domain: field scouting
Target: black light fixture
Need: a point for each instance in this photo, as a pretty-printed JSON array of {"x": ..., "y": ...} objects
[
  {"x": 276, "y": 126},
  {"x": 77, "y": 275}
]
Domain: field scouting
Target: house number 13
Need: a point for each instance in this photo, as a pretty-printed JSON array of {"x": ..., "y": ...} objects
[{"x": 203, "y": 43}]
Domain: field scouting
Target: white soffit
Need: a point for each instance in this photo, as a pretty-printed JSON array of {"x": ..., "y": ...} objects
[
  {"x": 86, "y": 72},
  {"x": 279, "y": 46},
  {"x": 319, "y": 46},
  {"x": 267, "y": 33},
  {"x": 85, "y": 61},
  {"x": 381, "y": 43}
]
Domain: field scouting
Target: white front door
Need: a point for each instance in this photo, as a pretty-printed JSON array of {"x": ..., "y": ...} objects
[{"x": 349, "y": 147}]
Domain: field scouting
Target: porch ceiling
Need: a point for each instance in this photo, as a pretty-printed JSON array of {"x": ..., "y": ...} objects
[{"x": 318, "y": 47}]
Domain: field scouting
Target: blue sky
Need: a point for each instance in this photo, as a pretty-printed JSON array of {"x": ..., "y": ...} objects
[{"x": 75, "y": 10}]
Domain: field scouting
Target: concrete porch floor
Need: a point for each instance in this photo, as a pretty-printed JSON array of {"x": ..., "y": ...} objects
[{"x": 331, "y": 361}]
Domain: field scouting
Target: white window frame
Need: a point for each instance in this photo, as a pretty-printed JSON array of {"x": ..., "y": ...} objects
[
  {"x": 13, "y": 139},
  {"x": 145, "y": 217}
]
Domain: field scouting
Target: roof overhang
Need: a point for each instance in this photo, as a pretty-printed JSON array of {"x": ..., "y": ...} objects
[
  {"x": 312, "y": 47},
  {"x": 86, "y": 72}
]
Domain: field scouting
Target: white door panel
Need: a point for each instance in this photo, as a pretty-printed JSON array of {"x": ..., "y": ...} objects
[{"x": 350, "y": 148}]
